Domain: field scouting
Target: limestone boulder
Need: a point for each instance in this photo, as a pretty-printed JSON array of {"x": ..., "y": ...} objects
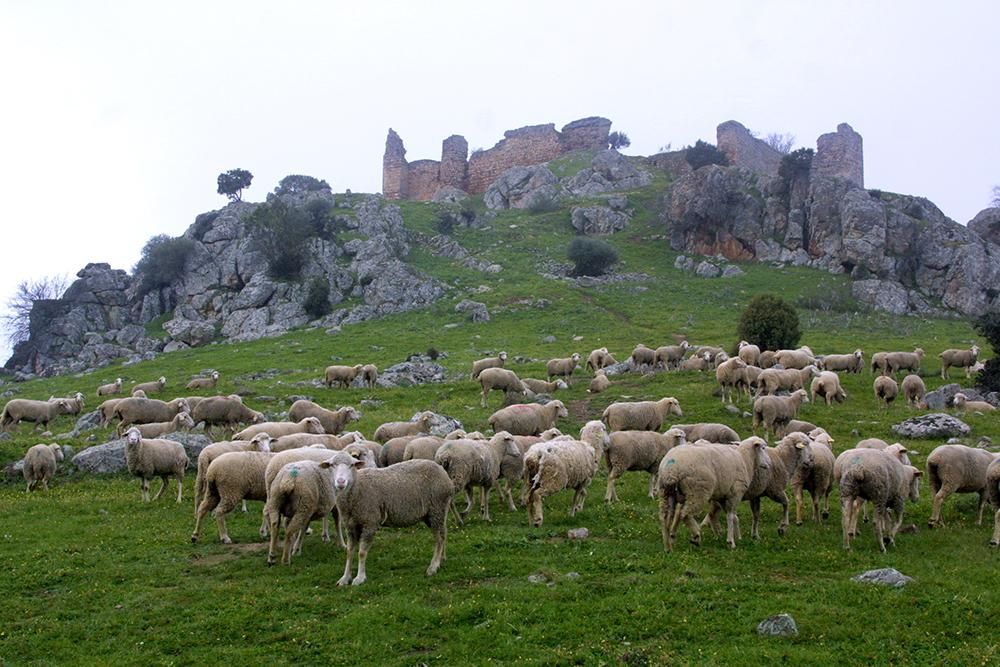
[{"x": 520, "y": 187}]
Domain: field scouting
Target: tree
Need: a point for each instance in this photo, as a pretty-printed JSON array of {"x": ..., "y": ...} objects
[
  {"x": 233, "y": 182},
  {"x": 703, "y": 153},
  {"x": 796, "y": 163},
  {"x": 162, "y": 261},
  {"x": 988, "y": 326},
  {"x": 281, "y": 233},
  {"x": 618, "y": 140},
  {"x": 780, "y": 142},
  {"x": 770, "y": 322},
  {"x": 298, "y": 183},
  {"x": 317, "y": 301},
  {"x": 591, "y": 257},
  {"x": 17, "y": 320}
]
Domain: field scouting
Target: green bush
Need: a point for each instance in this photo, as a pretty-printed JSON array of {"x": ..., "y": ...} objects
[
  {"x": 297, "y": 183},
  {"x": 232, "y": 183},
  {"x": 704, "y": 153},
  {"x": 281, "y": 233},
  {"x": 317, "y": 301},
  {"x": 988, "y": 325},
  {"x": 618, "y": 140},
  {"x": 770, "y": 322},
  {"x": 795, "y": 164},
  {"x": 591, "y": 257},
  {"x": 543, "y": 202},
  {"x": 162, "y": 261}
]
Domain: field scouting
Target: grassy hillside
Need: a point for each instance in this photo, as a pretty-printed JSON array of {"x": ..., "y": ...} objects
[{"x": 93, "y": 575}]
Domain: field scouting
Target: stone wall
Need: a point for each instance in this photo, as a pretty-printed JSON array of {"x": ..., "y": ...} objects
[
  {"x": 522, "y": 147},
  {"x": 839, "y": 154},
  {"x": 454, "y": 161},
  {"x": 745, "y": 150},
  {"x": 394, "y": 167},
  {"x": 423, "y": 179}
]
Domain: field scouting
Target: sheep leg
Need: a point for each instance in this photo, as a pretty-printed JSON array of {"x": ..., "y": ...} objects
[
  {"x": 505, "y": 492},
  {"x": 264, "y": 524},
  {"x": 995, "y": 541},
  {"x": 367, "y": 536},
  {"x": 482, "y": 402},
  {"x": 352, "y": 538},
  {"x": 206, "y": 506},
  {"x": 939, "y": 498},
  {"x": 145, "y": 489},
  {"x": 578, "y": 499},
  {"x": 440, "y": 540},
  {"x": 667, "y": 512},
  {"x": 272, "y": 519},
  {"x": 846, "y": 510},
  {"x": 755, "y": 513},
  {"x": 244, "y": 506},
  {"x": 712, "y": 519},
  {"x": 979, "y": 509},
  {"x": 163, "y": 487},
  {"x": 535, "y": 514},
  {"x": 610, "y": 495},
  {"x": 731, "y": 523},
  {"x": 454, "y": 510},
  {"x": 484, "y": 502},
  {"x": 326, "y": 527},
  {"x": 878, "y": 521},
  {"x": 798, "y": 505},
  {"x": 293, "y": 535},
  {"x": 653, "y": 478},
  {"x": 782, "y": 499},
  {"x": 180, "y": 486},
  {"x": 468, "y": 502}
]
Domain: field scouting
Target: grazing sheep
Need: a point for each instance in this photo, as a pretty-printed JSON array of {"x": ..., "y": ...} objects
[
  {"x": 390, "y": 430},
  {"x": 638, "y": 450},
  {"x": 154, "y": 387},
  {"x": 774, "y": 412},
  {"x": 204, "y": 383},
  {"x": 527, "y": 418},
  {"x": 749, "y": 353},
  {"x": 600, "y": 358},
  {"x": 993, "y": 493},
  {"x": 729, "y": 374},
  {"x": 692, "y": 476},
  {"x": 709, "y": 431},
  {"x": 181, "y": 421},
  {"x": 800, "y": 426},
  {"x": 327, "y": 440},
  {"x": 543, "y": 387},
  {"x": 369, "y": 375},
  {"x": 959, "y": 358},
  {"x": 669, "y": 356},
  {"x": 827, "y": 385},
  {"x": 599, "y": 383},
  {"x": 766, "y": 359},
  {"x": 562, "y": 367},
  {"x": 640, "y": 415},
  {"x": 230, "y": 479},
  {"x": 402, "y": 495},
  {"x": 489, "y": 362},
  {"x": 260, "y": 443},
  {"x": 849, "y": 363},
  {"x": 879, "y": 363},
  {"x": 716, "y": 355},
  {"x": 110, "y": 389},
  {"x": 963, "y": 404},
  {"x": 149, "y": 458},
  {"x": 277, "y": 429},
  {"x": 472, "y": 463},
  {"x": 957, "y": 469},
  {"x": 817, "y": 479},
  {"x": 135, "y": 410},
  {"x": 642, "y": 356},
  {"x": 885, "y": 389},
  {"x": 74, "y": 404},
  {"x": 425, "y": 446},
  {"x": 797, "y": 359},
  {"x": 773, "y": 380},
  {"x": 225, "y": 411},
  {"x": 913, "y": 390},
  {"x": 333, "y": 421},
  {"x": 40, "y": 465},
  {"x": 878, "y": 476},
  {"x": 502, "y": 379},
  {"x": 393, "y": 450},
  {"x": 39, "y": 412},
  {"x": 903, "y": 361},
  {"x": 302, "y": 491},
  {"x": 341, "y": 375},
  {"x": 697, "y": 362},
  {"x": 563, "y": 463}
]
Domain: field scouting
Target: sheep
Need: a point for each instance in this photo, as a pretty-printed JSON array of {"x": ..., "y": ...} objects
[
  {"x": 277, "y": 429},
  {"x": 231, "y": 478},
  {"x": 204, "y": 383},
  {"x": 993, "y": 493},
  {"x": 563, "y": 463},
  {"x": 154, "y": 387},
  {"x": 957, "y": 469},
  {"x": 225, "y": 411},
  {"x": 692, "y": 476},
  {"x": 827, "y": 386},
  {"x": 543, "y": 387},
  {"x": 502, "y": 379},
  {"x": 715, "y": 354},
  {"x": 106, "y": 410},
  {"x": 878, "y": 476},
  {"x": 849, "y": 363},
  {"x": 669, "y": 356},
  {"x": 817, "y": 479},
  {"x": 599, "y": 358},
  {"x": 489, "y": 362},
  {"x": 476, "y": 463},
  {"x": 74, "y": 404},
  {"x": 369, "y": 375},
  {"x": 341, "y": 375},
  {"x": 773, "y": 380},
  {"x": 800, "y": 426},
  {"x": 885, "y": 389},
  {"x": 712, "y": 432},
  {"x": 110, "y": 389},
  {"x": 260, "y": 443},
  {"x": 327, "y": 440},
  {"x": 774, "y": 412},
  {"x": 729, "y": 375},
  {"x": 640, "y": 415},
  {"x": 181, "y": 421},
  {"x": 149, "y": 458},
  {"x": 896, "y": 450},
  {"x": 961, "y": 358},
  {"x": 333, "y": 421},
  {"x": 963, "y": 404},
  {"x": 748, "y": 352},
  {"x": 642, "y": 356},
  {"x": 903, "y": 361},
  {"x": 766, "y": 359},
  {"x": 389, "y": 430},
  {"x": 135, "y": 410},
  {"x": 599, "y": 383},
  {"x": 527, "y": 418},
  {"x": 40, "y": 463},
  {"x": 638, "y": 450},
  {"x": 301, "y": 491},
  {"x": 913, "y": 390},
  {"x": 797, "y": 359},
  {"x": 879, "y": 363},
  {"x": 425, "y": 447},
  {"x": 393, "y": 449},
  {"x": 562, "y": 367},
  {"x": 40, "y": 412},
  {"x": 697, "y": 362}
]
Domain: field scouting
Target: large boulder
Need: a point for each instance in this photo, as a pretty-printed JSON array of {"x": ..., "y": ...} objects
[
  {"x": 608, "y": 171},
  {"x": 934, "y": 425},
  {"x": 410, "y": 373},
  {"x": 520, "y": 187},
  {"x": 598, "y": 220},
  {"x": 189, "y": 332},
  {"x": 987, "y": 224},
  {"x": 110, "y": 457}
]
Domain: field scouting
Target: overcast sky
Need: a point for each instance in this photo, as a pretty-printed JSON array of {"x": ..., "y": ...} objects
[{"x": 116, "y": 117}]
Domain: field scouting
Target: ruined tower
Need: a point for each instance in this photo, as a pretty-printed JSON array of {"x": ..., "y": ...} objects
[{"x": 839, "y": 154}]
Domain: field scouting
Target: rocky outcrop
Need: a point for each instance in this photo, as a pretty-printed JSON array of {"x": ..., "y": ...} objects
[
  {"x": 520, "y": 187},
  {"x": 609, "y": 170},
  {"x": 987, "y": 225},
  {"x": 598, "y": 220},
  {"x": 934, "y": 425}
]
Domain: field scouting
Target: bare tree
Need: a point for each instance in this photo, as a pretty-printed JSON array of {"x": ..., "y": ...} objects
[
  {"x": 996, "y": 196},
  {"x": 16, "y": 321},
  {"x": 780, "y": 142}
]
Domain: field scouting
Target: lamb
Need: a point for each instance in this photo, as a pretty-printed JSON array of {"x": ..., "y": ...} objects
[
  {"x": 642, "y": 356},
  {"x": 827, "y": 386},
  {"x": 797, "y": 359},
  {"x": 904, "y": 361},
  {"x": 640, "y": 415},
  {"x": 638, "y": 450},
  {"x": 109, "y": 389},
  {"x": 960, "y": 358},
  {"x": 225, "y": 411},
  {"x": 697, "y": 362},
  {"x": 669, "y": 356},
  {"x": 154, "y": 387},
  {"x": 527, "y": 418},
  {"x": 389, "y": 430},
  {"x": 817, "y": 479},
  {"x": 424, "y": 447},
  {"x": 333, "y": 421},
  {"x": 181, "y": 421},
  {"x": 749, "y": 353},
  {"x": 543, "y": 387},
  {"x": 204, "y": 383},
  {"x": 40, "y": 463},
  {"x": 341, "y": 375},
  {"x": 599, "y": 383},
  {"x": 472, "y": 463},
  {"x": 40, "y": 412},
  {"x": 135, "y": 410},
  {"x": 774, "y": 412},
  {"x": 394, "y": 449},
  {"x": 913, "y": 390},
  {"x": 260, "y": 443},
  {"x": 489, "y": 362},
  {"x": 993, "y": 493},
  {"x": 277, "y": 429},
  {"x": 563, "y": 463},
  {"x": 562, "y": 367},
  {"x": 957, "y": 469},
  {"x": 709, "y": 431},
  {"x": 849, "y": 363},
  {"x": 773, "y": 380},
  {"x": 729, "y": 374},
  {"x": 149, "y": 458},
  {"x": 327, "y": 440},
  {"x": 369, "y": 375},
  {"x": 301, "y": 491},
  {"x": 502, "y": 379},
  {"x": 963, "y": 404},
  {"x": 692, "y": 476},
  {"x": 230, "y": 479},
  {"x": 878, "y": 476},
  {"x": 600, "y": 358},
  {"x": 885, "y": 390}
]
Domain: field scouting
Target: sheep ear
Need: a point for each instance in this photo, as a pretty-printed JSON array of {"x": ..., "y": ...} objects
[
  {"x": 358, "y": 464},
  {"x": 917, "y": 472}
]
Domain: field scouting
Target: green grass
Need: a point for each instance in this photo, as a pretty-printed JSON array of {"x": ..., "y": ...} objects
[{"x": 92, "y": 575}]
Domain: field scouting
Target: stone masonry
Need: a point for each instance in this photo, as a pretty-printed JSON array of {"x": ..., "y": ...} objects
[
  {"x": 745, "y": 150},
  {"x": 839, "y": 154}
]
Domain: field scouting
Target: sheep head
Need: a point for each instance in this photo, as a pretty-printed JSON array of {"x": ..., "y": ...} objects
[
  {"x": 262, "y": 442},
  {"x": 560, "y": 409},
  {"x": 914, "y": 485},
  {"x": 133, "y": 436},
  {"x": 343, "y": 465},
  {"x": 313, "y": 425},
  {"x": 502, "y": 356},
  {"x": 57, "y": 451},
  {"x": 670, "y": 406}
]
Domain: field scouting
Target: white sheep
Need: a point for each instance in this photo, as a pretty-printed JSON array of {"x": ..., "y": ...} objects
[
  {"x": 111, "y": 388},
  {"x": 562, "y": 367},
  {"x": 74, "y": 403},
  {"x": 302, "y": 491},
  {"x": 748, "y": 352},
  {"x": 903, "y": 361},
  {"x": 697, "y": 362},
  {"x": 774, "y": 412},
  {"x": 766, "y": 359},
  {"x": 503, "y": 380},
  {"x": 24, "y": 409},
  {"x": 480, "y": 365},
  {"x": 642, "y": 356},
  {"x": 333, "y": 421},
  {"x": 40, "y": 462},
  {"x": 230, "y": 479},
  {"x": 773, "y": 380},
  {"x": 879, "y": 363},
  {"x": 669, "y": 356},
  {"x": 563, "y": 463},
  {"x": 327, "y": 440},
  {"x": 801, "y": 426},
  {"x": 204, "y": 383},
  {"x": 600, "y": 358},
  {"x": 277, "y": 429},
  {"x": 260, "y": 443},
  {"x": 826, "y": 385},
  {"x": 710, "y": 431},
  {"x": 963, "y": 404},
  {"x": 369, "y": 375},
  {"x": 914, "y": 389},
  {"x": 527, "y": 418},
  {"x": 957, "y": 469},
  {"x": 638, "y": 450},
  {"x": 730, "y": 376},
  {"x": 182, "y": 421},
  {"x": 426, "y": 446},
  {"x": 797, "y": 359},
  {"x": 885, "y": 389},
  {"x": 599, "y": 383},
  {"x": 817, "y": 479},
  {"x": 543, "y": 387},
  {"x": 421, "y": 424},
  {"x": 993, "y": 493},
  {"x": 138, "y": 410},
  {"x": 341, "y": 375},
  {"x": 149, "y": 458},
  {"x": 472, "y": 463},
  {"x": 849, "y": 363},
  {"x": 394, "y": 449},
  {"x": 878, "y": 476},
  {"x": 960, "y": 358},
  {"x": 154, "y": 387},
  {"x": 640, "y": 415}
]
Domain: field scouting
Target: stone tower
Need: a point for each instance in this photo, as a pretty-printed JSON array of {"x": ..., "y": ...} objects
[
  {"x": 745, "y": 150},
  {"x": 394, "y": 168},
  {"x": 839, "y": 154},
  {"x": 454, "y": 156}
]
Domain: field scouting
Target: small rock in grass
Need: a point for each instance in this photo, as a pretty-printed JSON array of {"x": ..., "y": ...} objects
[
  {"x": 537, "y": 578},
  {"x": 886, "y": 576},
  {"x": 572, "y": 575},
  {"x": 732, "y": 409},
  {"x": 782, "y": 625},
  {"x": 549, "y": 339},
  {"x": 578, "y": 534}
]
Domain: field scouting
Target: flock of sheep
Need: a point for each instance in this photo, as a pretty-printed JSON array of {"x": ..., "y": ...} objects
[{"x": 307, "y": 468}]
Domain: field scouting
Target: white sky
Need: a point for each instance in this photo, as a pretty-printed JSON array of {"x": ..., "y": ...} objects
[{"x": 116, "y": 117}]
